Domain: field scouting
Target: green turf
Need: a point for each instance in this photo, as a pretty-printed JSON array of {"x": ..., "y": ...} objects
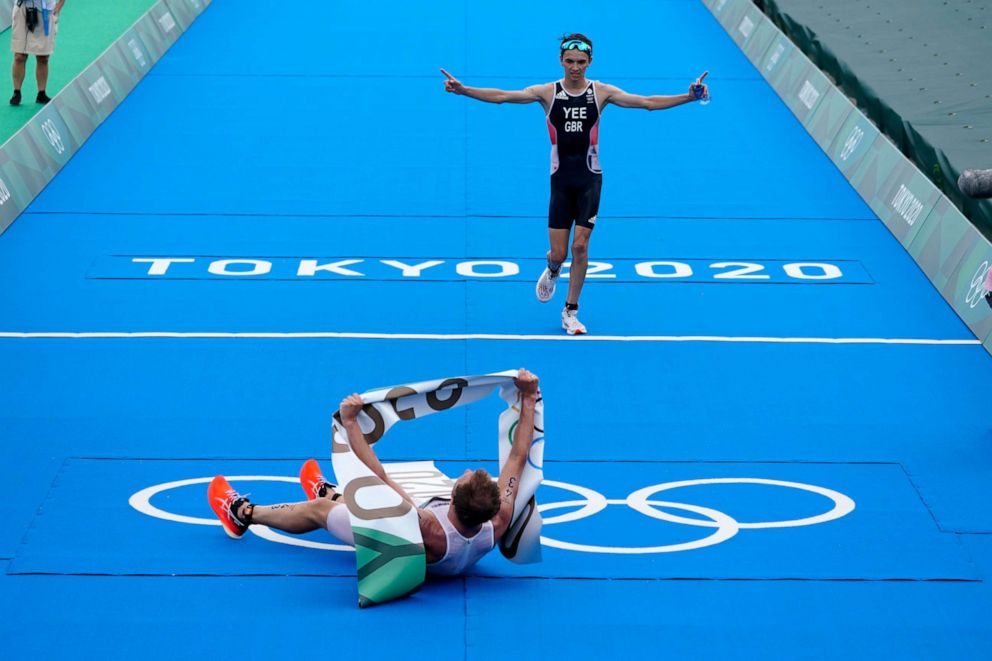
[{"x": 86, "y": 29}]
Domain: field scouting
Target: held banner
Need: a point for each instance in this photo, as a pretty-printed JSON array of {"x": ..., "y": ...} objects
[{"x": 389, "y": 549}]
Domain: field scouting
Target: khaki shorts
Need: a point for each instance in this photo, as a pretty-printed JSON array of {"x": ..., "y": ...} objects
[{"x": 35, "y": 42}]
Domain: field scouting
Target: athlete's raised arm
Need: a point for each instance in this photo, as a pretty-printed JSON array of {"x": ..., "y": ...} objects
[
  {"x": 616, "y": 96},
  {"x": 349, "y": 410},
  {"x": 509, "y": 476},
  {"x": 532, "y": 94}
]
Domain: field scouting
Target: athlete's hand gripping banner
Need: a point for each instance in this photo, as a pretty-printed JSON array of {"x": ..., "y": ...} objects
[{"x": 389, "y": 549}]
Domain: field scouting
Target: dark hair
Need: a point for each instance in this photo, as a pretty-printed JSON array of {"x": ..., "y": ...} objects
[
  {"x": 580, "y": 37},
  {"x": 477, "y": 500}
]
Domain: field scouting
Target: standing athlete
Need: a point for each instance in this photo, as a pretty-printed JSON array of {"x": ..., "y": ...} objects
[{"x": 573, "y": 106}]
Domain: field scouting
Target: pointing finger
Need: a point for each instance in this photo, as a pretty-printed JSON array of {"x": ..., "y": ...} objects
[
  {"x": 450, "y": 77},
  {"x": 698, "y": 80}
]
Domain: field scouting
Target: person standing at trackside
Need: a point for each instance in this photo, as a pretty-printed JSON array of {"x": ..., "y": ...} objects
[
  {"x": 34, "y": 25},
  {"x": 573, "y": 106}
]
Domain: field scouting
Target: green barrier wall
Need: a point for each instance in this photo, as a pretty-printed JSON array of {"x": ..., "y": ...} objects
[
  {"x": 915, "y": 66},
  {"x": 6, "y": 9},
  {"x": 36, "y": 153},
  {"x": 953, "y": 254}
]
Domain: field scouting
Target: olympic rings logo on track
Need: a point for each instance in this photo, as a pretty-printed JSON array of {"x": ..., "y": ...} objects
[{"x": 588, "y": 504}]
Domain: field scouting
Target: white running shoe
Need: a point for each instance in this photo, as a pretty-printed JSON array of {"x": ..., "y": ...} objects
[
  {"x": 546, "y": 285},
  {"x": 570, "y": 322}
]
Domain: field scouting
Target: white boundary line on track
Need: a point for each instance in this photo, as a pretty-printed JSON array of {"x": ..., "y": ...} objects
[{"x": 488, "y": 336}]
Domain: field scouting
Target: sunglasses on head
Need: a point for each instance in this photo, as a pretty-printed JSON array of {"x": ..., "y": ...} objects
[{"x": 577, "y": 44}]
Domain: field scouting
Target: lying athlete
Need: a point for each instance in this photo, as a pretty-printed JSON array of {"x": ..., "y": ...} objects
[{"x": 457, "y": 531}]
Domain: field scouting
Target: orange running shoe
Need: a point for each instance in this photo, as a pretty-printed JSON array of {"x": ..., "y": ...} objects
[
  {"x": 225, "y": 502},
  {"x": 313, "y": 482}
]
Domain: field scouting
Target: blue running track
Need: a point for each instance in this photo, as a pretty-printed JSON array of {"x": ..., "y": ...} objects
[{"x": 784, "y": 424}]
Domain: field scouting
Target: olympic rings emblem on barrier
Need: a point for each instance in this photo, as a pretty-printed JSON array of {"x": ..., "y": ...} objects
[
  {"x": 976, "y": 292},
  {"x": 590, "y": 503}
]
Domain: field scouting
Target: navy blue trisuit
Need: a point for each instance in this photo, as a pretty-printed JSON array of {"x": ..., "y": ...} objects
[{"x": 576, "y": 178}]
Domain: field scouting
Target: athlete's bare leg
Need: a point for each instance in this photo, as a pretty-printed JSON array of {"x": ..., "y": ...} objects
[
  {"x": 580, "y": 262},
  {"x": 293, "y": 517},
  {"x": 558, "y": 239}
]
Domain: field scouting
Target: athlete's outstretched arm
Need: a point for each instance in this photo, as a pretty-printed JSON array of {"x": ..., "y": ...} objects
[
  {"x": 617, "y": 96},
  {"x": 509, "y": 476},
  {"x": 534, "y": 93},
  {"x": 350, "y": 407}
]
